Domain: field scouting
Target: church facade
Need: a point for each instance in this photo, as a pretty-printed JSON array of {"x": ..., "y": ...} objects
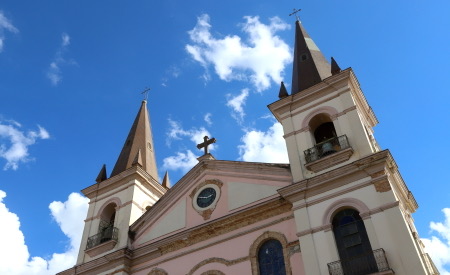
[{"x": 339, "y": 207}]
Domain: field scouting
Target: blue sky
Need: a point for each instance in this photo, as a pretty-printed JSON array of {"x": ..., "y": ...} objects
[{"x": 71, "y": 73}]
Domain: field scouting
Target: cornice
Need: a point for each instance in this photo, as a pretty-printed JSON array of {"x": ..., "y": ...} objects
[
  {"x": 380, "y": 167},
  {"x": 119, "y": 258},
  {"x": 308, "y": 95},
  {"x": 339, "y": 176},
  {"x": 131, "y": 173},
  {"x": 326, "y": 90},
  {"x": 361, "y": 101},
  {"x": 187, "y": 232},
  {"x": 212, "y": 229}
]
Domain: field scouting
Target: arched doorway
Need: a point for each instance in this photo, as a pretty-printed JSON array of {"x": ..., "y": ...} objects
[{"x": 355, "y": 251}]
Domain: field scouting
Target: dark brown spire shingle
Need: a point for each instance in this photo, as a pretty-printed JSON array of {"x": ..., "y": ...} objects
[
  {"x": 138, "y": 147},
  {"x": 310, "y": 66}
]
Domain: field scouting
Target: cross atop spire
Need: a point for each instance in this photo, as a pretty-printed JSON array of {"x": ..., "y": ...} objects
[
  {"x": 145, "y": 93},
  {"x": 295, "y": 13}
]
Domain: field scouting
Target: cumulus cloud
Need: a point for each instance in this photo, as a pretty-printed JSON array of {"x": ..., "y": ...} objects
[
  {"x": 183, "y": 161},
  {"x": 207, "y": 119},
  {"x": 261, "y": 59},
  {"x": 14, "y": 142},
  {"x": 16, "y": 259},
  {"x": 236, "y": 103},
  {"x": 187, "y": 159},
  {"x": 266, "y": 146},
  {"x": 54, "y": 73},
  {"x": 438, "y": 246},
  {"x": 5, "y": 26},
  {"x": 176, "y": 132}
]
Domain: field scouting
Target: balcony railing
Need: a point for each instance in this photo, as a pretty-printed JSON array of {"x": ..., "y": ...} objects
[
  {"x": 368, "y": 263},
  {"x": 326, "y": 148},
  {"x": 106, "y": 234}
]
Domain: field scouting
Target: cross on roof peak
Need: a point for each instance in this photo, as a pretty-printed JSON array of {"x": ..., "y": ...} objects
[{"x": 206, "y": 143}]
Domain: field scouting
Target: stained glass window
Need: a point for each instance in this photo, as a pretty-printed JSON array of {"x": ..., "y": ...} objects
[{"x": 271, "y": 259}]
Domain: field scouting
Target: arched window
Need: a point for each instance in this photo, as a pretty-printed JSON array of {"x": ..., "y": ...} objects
[
  {"x": 271, "y": 258},
  {"x": 325, "y": 138},
  {"x": 322, "y": 127},
  {"x": 106, "y": 226},
  {"x": 355, "y": 251}
]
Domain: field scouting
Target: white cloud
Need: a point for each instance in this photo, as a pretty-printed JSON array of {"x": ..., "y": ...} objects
[
  {"x": 208, "y": 119},
  {"x": 54, "y": 70},
  {"x": 184, "y": 160},
  {"x": 438, "y": 247},
  {"x": 65, "y": 40},
  {"x": 5, "y": 25},
  {"x": 264, "y": 146},
  {"x": 14, "y": 143},
  {"x": 181, "y": 161},
  {"x": 176, "y": 132},
  {"x": 236, "y": 104},
  {"x": 16, "y": 259},
  {"x": 261, "y": 60}
]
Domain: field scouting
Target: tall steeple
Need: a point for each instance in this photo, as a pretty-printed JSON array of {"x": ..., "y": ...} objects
[
  {"x": 138, "y": 147},
  {"x": 310, "y": 66}
]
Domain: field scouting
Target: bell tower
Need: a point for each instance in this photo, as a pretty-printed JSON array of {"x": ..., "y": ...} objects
[
  {"x": 116, "y": 202},
  {"x": 351, "y": 206},
  {"x": 327, "y": 121}
]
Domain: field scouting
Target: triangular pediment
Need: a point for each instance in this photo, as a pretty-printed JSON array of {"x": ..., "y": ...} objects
[{"x": 211, "y": 191}]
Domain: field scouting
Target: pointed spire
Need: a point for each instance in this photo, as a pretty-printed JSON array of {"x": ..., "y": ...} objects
[
  {"x": 137, "y": 159},
  {"x": 166, "y": 181},
  {"x": 102, "y": 175},
  {"x": 335, "y": 69},
  {"x": 283, "y": 92},
  {"x": 310, "y": 66},
  {"x": 138, "y": 147}
]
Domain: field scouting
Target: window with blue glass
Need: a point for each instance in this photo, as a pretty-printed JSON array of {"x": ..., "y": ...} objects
[{"x": 271, "y": 259}]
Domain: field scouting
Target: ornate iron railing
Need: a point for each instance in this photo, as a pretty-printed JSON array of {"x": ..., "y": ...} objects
[
  {"x": 105, "y": 234},
  {"x": 326, "y": 148},
  {"x": 361, "y": 265}
]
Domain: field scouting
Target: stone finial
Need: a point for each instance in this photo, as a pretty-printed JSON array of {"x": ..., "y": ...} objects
[
  {"x": 335, "y": 69},
  {"x": 283, "y": 92},
  {"x": 102, "y": 174},
  {"x": 166, "y": 180}
]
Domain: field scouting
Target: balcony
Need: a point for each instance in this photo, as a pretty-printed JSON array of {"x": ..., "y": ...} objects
[
  {"x": 103, "y": 241},
  {"x": 328, "y": 153},
  {"x": 374, "y": 262}
]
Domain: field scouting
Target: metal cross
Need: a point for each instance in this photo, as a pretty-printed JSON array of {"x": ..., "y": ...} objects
[
  {"x": 145, "y": 93},
  {"x": 206, "y": 142},
  {"x": 295, "y": 13}
]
